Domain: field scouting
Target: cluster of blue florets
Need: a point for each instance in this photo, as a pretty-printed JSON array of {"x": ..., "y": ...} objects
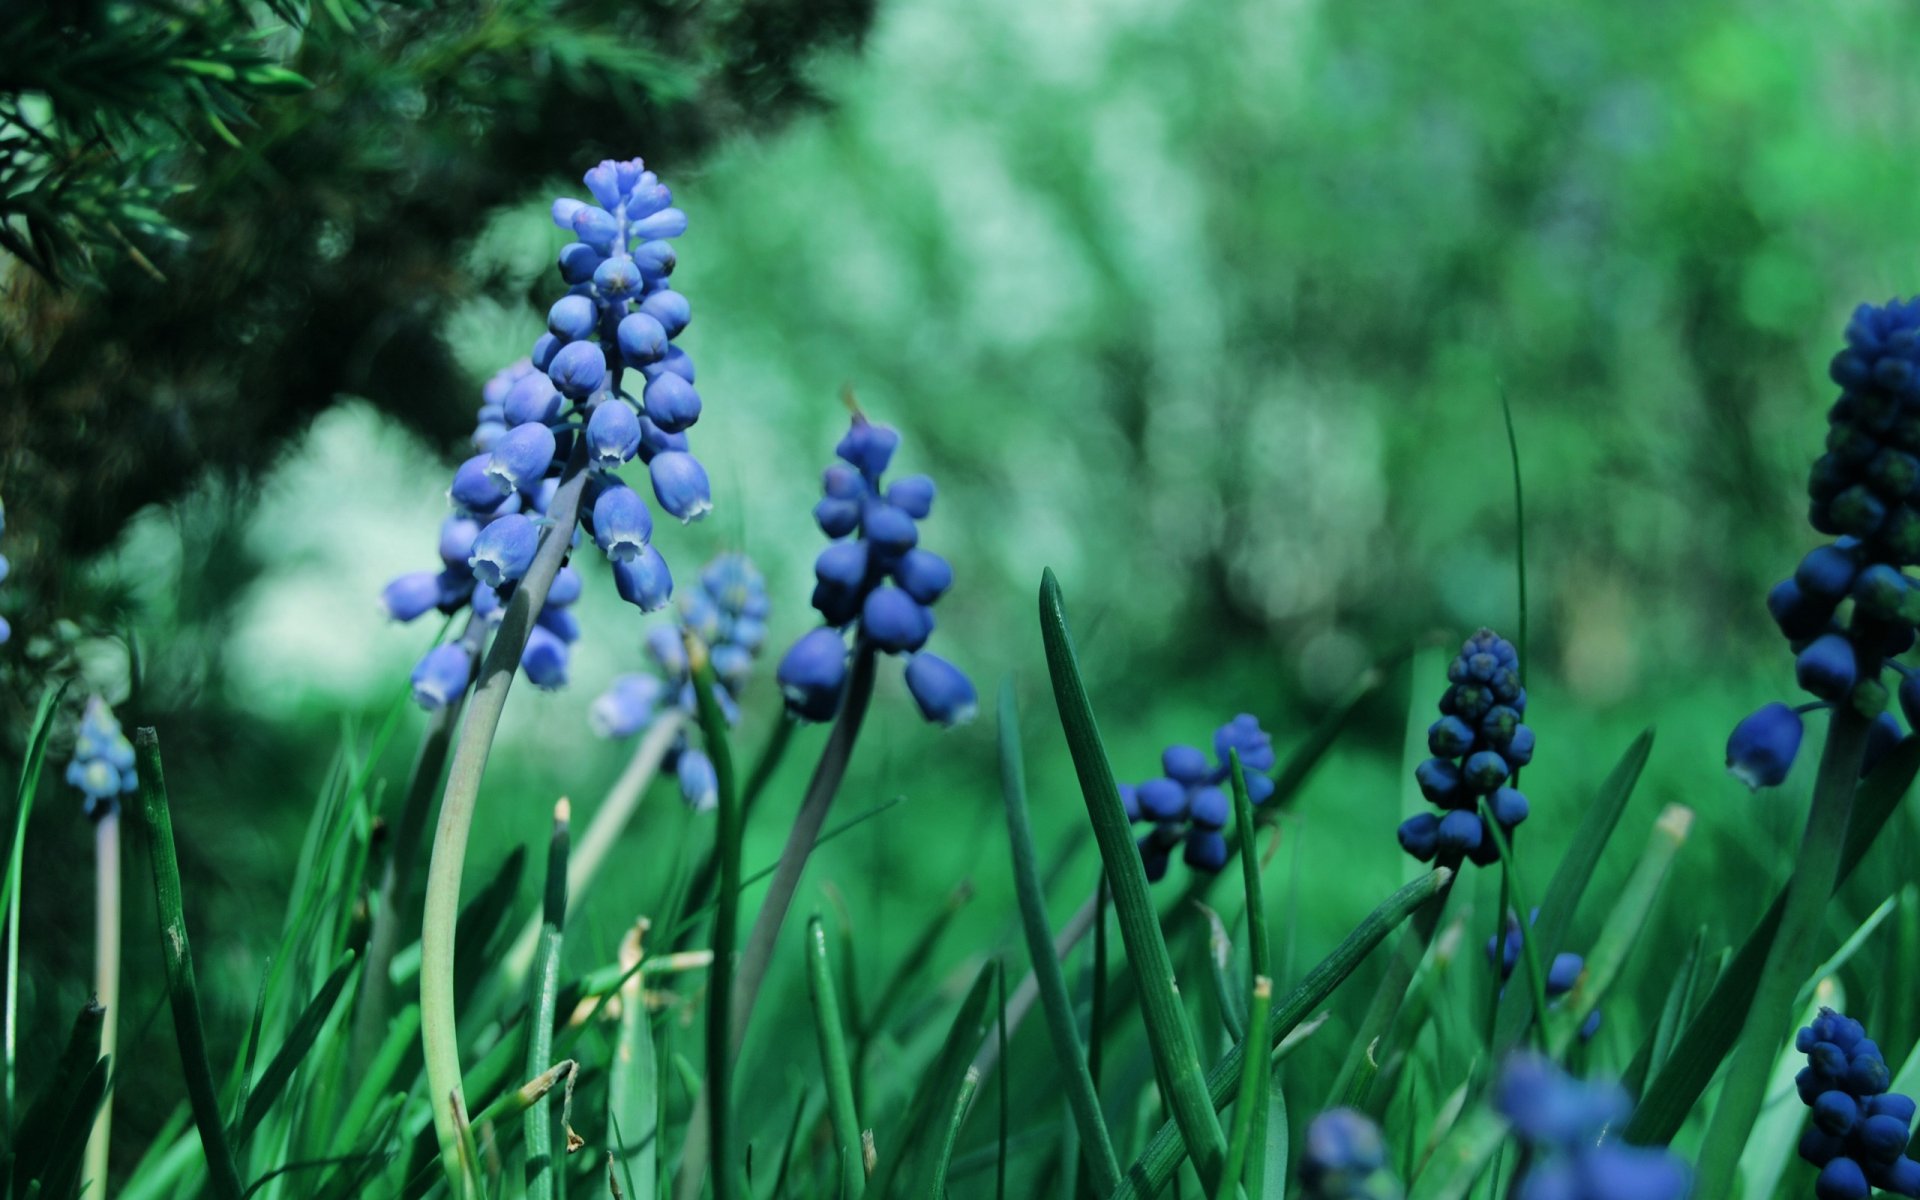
[
  {"x": 1860, "y": 1130},
  {"x": 1190, "y": 804},
  {"x": 728, "y": 613},
  {"x": 102, "y": 763},
  {"x": 1849, "y": 608},
  {"x": 568, "y": 401},
  {"x": 1477, "y": 744},
  {"x": 1564, "y": 1121},
  {"x": 1562, "y": 973},
  {"x": 1345, "y": 1158},
  {"x": 876, "y": 580}
]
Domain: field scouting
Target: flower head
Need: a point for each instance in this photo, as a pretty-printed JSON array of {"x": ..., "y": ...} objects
[
  {"x": 1189, "y": 803},
  {"x": 1566, "y": 1121},
  {"x": 1345, "y": 1158},
  {"x": 1477, "y": 745},
  {"x": 102, "y": 763},
  {"x": 1859, "y": 1133}
]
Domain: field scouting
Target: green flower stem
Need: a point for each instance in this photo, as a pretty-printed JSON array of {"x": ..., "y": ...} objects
[
  {"x": 106, "y": 989},
  {"x": 372, "y": 1012},
  {"x": 439, "y": 1027},
  {"x": 1816, "y": 872},
  {"x": 726, "y": 922},
  {"x": 538, "y": 1122},
  {"x": 182, "y": 991},
  {"x": 758, "y": 954}
]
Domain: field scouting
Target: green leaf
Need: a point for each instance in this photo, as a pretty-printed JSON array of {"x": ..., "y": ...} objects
[
  {"x": 726, "y": 924},
  {"x": 33, "y": 1142},
  {"x": 1847, "y": 950},
  {"x": 937, "y": 1181},
  {"x": 293, "y": 1050},
  {"x": 830, "y": 1032},
  {"x": 1570, "y": 881},
  {"x": 1672, "y": 1093},
  {"x": 1273, "y": 1182},
  {"x": 23, "y": 808},
  {"x": 633, "y": 1083},
  {"x": 1063, "y": 1029},
  {"x": 1175, "y": 1057},
  {"x": 938, "y": 1086},
  {"x": 1259, "y": 957},
  {"x": 1248, "y": 1115},
  {"x": 543, "y": 993}
]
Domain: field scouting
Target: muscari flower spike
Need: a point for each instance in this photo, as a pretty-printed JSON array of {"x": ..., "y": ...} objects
[
  {"x": 1562, "y": 973},
  {"x": 1189, "y": 803},
  {"x": 1849, "y": 609},
  {"x": 1477, "y": 744},
  {"x": 1345, "y": 1158},
  {"x": 877, "y": 581},
  {"x": 617, "y": 322},
  {"x": 728, "y": 612},
  {"x": 1859, "y": 1132},
  {"x": 102, "y": 765},
  {"x": 1565, "y": 1121}
]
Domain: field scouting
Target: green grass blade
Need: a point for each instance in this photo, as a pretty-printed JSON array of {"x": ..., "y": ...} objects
[
  {"x": 938, "y": 1085},
  {"x": 707, "y": 874},
  {"x": 377, "y": 1079},
  {"x": 1673, "y": 1013},
  {"x": 1260, "y": 959},
  {"x": 1157, "y": 1163},
  {"x": 1529, "y": 945},
  {"x": 1249, "y": 1114},
  {"x": 1519, "y": 529},
  {"x": 1273, "y": 1177},
  {"x": 32, "y": 1142},
  {"x": 1672, "y": 1093},
  {"x": 912, "y": 966},
  {"x": 543, "y": 993},
  {"x": 726, "y": 926},
  {"x": 183, "y": 992},
  {"x": 1771, "y": 1149},
  {"x": 69, "y": 1144},
  {"x": 1062, "y": 1027},
  {"x": 293, "y": 1051},
  {"x": 480, "y": 921},
  {"x": 1168, "y": 1034},
  {"x": 836, "y": 1068},
  {"x": 1228, "y": 1001},
  {"x": 937, "y": 1181},
  {"x": 1847, "y": 950},
  {"x": 633, "y": 1099},
  {"x": 22, "y": 809},
  {"x": 1549, "y": 932}
]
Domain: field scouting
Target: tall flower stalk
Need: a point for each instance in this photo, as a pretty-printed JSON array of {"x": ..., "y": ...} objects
[{"x": 102, "y": 770}]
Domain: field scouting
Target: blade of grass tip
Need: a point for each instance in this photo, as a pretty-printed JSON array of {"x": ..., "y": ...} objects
[
  {"x": 1673, "y": 1011},
  {"x": 1529, "y": 945},
  {"x": 937, "y": 1180},
  {"x": 23, "y": 808},
  {"x": 1165, "y": 1151},
  {"x": 1259, "y": 958},
  {"x": 1168, "y": 1034},
  {"x": 1697, "y": 1053},
  {"x": 439, "y": 1018},
  {"x": 299, "y": 1041},
  {"x": 182, "y": 991},
  {"x": 32, "y": 1142},
  {"x": 1226, "y": 992},
  {"x": 1847, "y": 950},
  {"x": 726, "y": 924},
  {"x": 938, "y": 1084},
  {"x": 1253, "y": 1088},
  {"x": 1549, "y": 931},
  {"x": 830, "y": 1032},
  {"x": 1623, "y": 927},
  {"x": 106, "y": 988},
  {"x": 1062, "y": 1026},
  {"x": 633, "y": 1100},
  {"x": 1815, "y": 875},
  {"x": 802, "y": 838},
  {"x": 543, "y": 994},
  {"x": 1461, "y": 1159},
  {"x": 241, "y": 1084}
]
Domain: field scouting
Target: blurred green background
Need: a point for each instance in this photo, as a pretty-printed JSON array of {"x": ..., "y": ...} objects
[{"x": 1209, "y": 306}]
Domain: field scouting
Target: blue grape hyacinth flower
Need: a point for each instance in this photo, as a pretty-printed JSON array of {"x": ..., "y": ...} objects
[
  {"x": 102, "y": 764},
  {"x": 1189, "y": 803},
  {"x": 1478, "y": 744},
  {"x": 728, "y": 612},
  {"x": 1565, "y": 1123},
  {"x": 1859, "y": 1133},
  {"x": 876, "y": 581},
  {"x": 1562, "y": 973},
  {"x": 605, "y": 386},
  {"x": 1345, "y": 1158}
]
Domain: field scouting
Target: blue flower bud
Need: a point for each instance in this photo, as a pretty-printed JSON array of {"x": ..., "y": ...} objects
[
  {"x": 667, "y": 223},
  {"x": 655, "y": 440},
  {"x": 1440, "y": 781},
  {"x": 868, "y": 447},
  {"x": 1835, "y": 1112},
  {"x": 672, "y": 403},
  {"x": 680, "y": 484},
  {"x": 603, "y": 180},
  {"x": 892, "y": 620},
  {"x": 596, "y": 227},
  {"x": 1420, "y": 836},
  {"x": 410, "y": 595},
  {"x": 1762, "y": 747},
  {"x": 456, "y": 541},
  {"x": 913, "y": 495},
  {"x": 1460, "y": 831},
  {"x": 699, "y": 786},
  {"x": 486, "y": 602},
  {"x": 1519, "y": 751},
  {"x": 474, "y": 490},
  {"x": 923, "y": 574},
  {"x": 842, "y": 482},
  {"x": 1449, "y": 737},
  {"x": 6, "y": 631},
  {"x": 521, "y": 459},
  {"x": 1208, "y": 808},
  {"x": 1879, "y": 591},
  {"x": 1244, "y": 735},
  {"x": 837, "y": 517},
  {"x": 676, "y": 361},
  {"x": 1162, "y": 799},
  {"x": 545, "y": 659},
  {"x": 669, "y": 308},
  {"x": 1186, "y": 764},
  {"x": 613, "y": 434},
  {"x": 1509, "y": 807},
  {"x": 1892, "y": 1104},
  {"x": 572, "y": 318},
  {"x": 642, "y": 339},
  {"x": 843, "y": 567},
  {"x": 668, "y": 650},
  {"x": 1485, "y": 771},
  {"x": 813, "y": 673},
  {"x": 622, "y": 526},
  {"x": 565, "y": 589},
  {"x": 942, "y": 691},
  {"x": 1564, "y": 973},
  {"x": 560, "y": 622},
  {"x": 1260, "y": 788},
  {"x": 626, "y": 707},
  {"x": 441, "y": 677},
  {"x": 578, "y": 262},
  {"x": 533, "y": 400},
  {"x": 656, "y": 259},
  {"x": 1342, "y": 1150},
  {"x": 578, "y": 369},
  {"x": 504, "y": 550},
  {"x": 1154, "y": 857},
  {"x": 1827, "y": 667},
  {"x": 1882, "y": 736},
  {"x": 1881, "y": 1138},
  {"x": 619, "y": 278},
  {"x": 565, "y": 209},
  {"x": 1206, "y": 850},
  {"x": 487, "y": 435},
  {"x": 890, "y": 530},
  {"x": 643, "y": 580},
  {"x": 1841, "y": 1179}
]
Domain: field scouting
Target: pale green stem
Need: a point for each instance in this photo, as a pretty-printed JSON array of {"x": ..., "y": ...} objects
[
  {"x": 439, "y": 1029},
  {"x": 106, "y": 989}
]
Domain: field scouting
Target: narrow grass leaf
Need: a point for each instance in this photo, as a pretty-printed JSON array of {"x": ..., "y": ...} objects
[
  {"x": 543, "y": 993},
  {"x": 1511, "y": 885},
  {"x": 1848, "y": 948},
  {"x": 937, "y": 1181},
  {"x": 942, "y": 1079},
  {"x": 22, "y": 808},
  {"x": 1249, "y": 1121},
  {"x": 1259, "y": 958},
  {"x": 830, "y": 1033},
  {"x": 31, "y": 1142},
  {"x": 726, "y": 925},
  {"x": 293, "y": 1051}
]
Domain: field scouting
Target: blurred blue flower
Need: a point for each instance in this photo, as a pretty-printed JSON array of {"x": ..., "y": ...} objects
[
  {"x": 1477, "y": 744},
  {"x": 102, "y": 764},
  {"x": 1564, "y": 1121},
  {"x": 1189, "y": 804},
  {"x": 1345, "y": 1158}
]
